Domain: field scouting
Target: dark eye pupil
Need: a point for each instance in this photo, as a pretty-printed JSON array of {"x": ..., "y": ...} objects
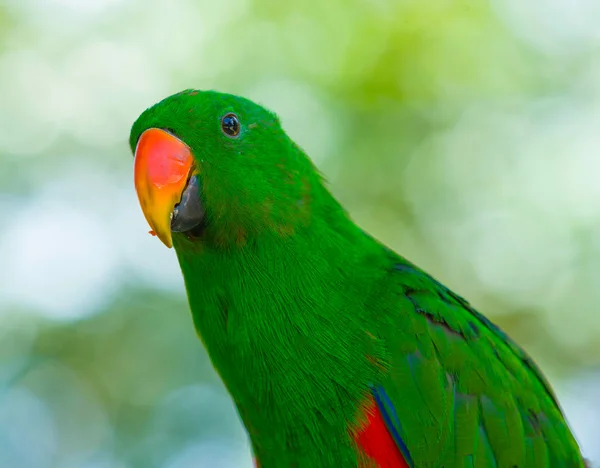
[{"x": 230, "y": 125}]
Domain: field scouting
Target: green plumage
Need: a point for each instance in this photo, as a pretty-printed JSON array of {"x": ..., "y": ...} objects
[{"x": 302, "y": 313}]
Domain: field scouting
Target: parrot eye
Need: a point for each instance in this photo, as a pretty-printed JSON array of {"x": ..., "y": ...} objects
[{"x": 230, "y": 124}]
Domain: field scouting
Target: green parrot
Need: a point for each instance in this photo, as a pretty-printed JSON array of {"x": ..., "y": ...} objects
[{"x": 337, "y": 351}]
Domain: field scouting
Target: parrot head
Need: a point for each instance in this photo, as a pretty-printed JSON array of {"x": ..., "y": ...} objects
[{"x": 218, "y": 168}]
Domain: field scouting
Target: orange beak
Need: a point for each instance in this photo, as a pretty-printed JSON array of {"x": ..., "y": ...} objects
[{"x": 161, "y": 168}]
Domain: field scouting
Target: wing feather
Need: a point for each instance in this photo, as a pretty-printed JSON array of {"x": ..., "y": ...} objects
[{"x": 459, "y": 392}]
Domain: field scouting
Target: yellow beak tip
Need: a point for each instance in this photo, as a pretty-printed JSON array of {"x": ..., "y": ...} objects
[{"x": 165, "y": 239}]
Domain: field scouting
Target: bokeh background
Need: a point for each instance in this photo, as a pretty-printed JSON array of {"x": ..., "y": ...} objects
[{"x": 463, "y": 133}]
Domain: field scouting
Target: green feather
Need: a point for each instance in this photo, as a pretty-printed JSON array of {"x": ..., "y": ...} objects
[{"x": 302, "y": 313}]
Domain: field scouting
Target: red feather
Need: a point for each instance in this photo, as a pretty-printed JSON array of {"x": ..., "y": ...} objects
[{"x": 376, "y": 442}]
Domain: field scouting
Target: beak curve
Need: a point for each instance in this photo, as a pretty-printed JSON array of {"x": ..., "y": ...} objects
[{"x": 161, "y": 167}]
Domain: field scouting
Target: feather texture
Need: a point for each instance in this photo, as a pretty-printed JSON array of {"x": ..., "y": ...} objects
[
  {"x": 476, "y": 398},
  {"x": 376, "y": 441}
]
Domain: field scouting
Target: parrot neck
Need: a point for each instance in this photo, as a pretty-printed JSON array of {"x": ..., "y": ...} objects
[{"x": 285, "y": 316}]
